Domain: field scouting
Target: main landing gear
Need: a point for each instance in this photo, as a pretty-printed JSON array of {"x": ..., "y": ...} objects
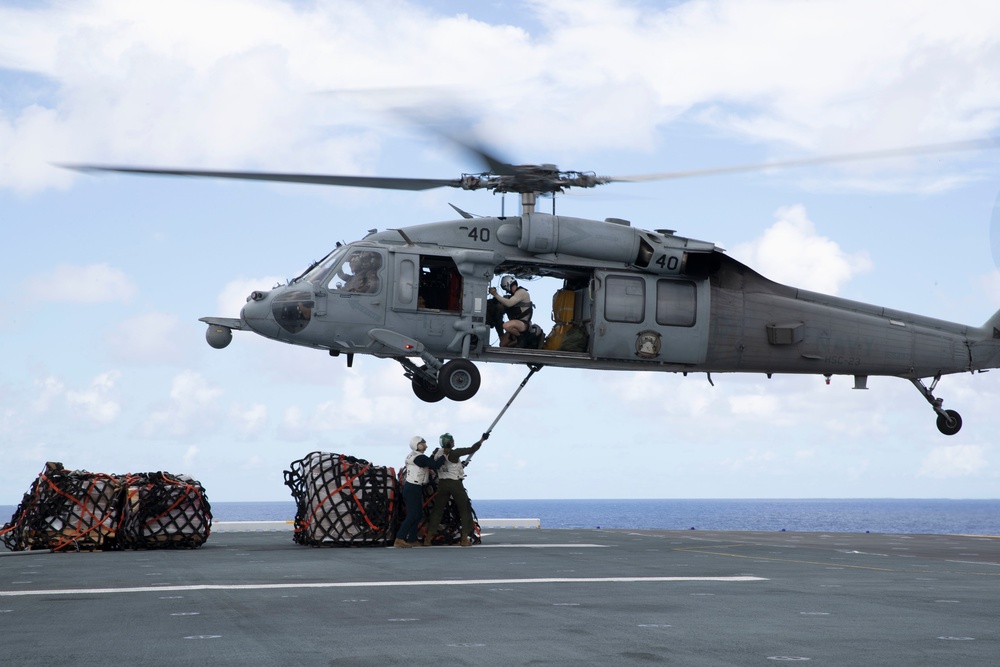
[
  {"x": 948, "y": 422},
  {"x": 457, "y": 379}
]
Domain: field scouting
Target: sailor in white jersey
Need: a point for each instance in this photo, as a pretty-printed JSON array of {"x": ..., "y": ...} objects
[{"x": 418, "y": 466}]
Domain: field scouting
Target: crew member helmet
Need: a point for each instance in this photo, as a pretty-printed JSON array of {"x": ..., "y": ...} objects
[
  {"x": 506, "y": 282},
  {"x": 447, "y": 441}
]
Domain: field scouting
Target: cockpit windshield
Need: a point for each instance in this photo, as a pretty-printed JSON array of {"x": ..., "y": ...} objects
[{"x": 320, "y": 271}]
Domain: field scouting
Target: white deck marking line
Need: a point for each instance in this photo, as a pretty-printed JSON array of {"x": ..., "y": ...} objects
[
  {"x": 541, "y": 546},
  {"x": 374, "y": 584}
]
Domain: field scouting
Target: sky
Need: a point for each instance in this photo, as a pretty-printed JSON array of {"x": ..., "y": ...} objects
[{"x": 105, "y": 365}]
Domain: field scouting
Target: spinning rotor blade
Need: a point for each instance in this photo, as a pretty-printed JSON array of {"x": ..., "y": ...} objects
[
  {"x": 955, "y": 147},
  {"x": 537, "y": 179},
  {"x": 385, "y": 183},
  {"x": 494, "y": 164}
]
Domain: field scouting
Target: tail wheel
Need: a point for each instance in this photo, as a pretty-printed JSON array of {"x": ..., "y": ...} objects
[
  {"x": 950, "y": 424},
  {"x": 459, "y": 379}
]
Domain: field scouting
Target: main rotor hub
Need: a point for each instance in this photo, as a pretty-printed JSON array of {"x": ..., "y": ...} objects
[{"x": 537, "y": 179}]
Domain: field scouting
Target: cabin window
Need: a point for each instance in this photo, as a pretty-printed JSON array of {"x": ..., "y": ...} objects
[
  {"x": 676, "y": 303},
  {"x": 440, "y": 285},
  {"x": 406, "y": 282},
  {"x": 625, "y": 299}
]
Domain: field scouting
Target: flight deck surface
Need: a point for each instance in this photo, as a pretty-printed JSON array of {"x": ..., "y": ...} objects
[{"x": 523, "y": 597}]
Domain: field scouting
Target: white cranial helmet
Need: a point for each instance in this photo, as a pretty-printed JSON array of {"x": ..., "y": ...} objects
[{"x": 506, "y": 281}]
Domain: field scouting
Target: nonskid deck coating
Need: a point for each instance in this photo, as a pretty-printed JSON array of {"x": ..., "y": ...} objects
[{"x": 540, "y": 597}]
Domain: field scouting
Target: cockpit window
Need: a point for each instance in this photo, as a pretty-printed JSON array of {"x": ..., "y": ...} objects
[
  {"x": 319, "y": 273},
  {"x": 358, "y": 273}
]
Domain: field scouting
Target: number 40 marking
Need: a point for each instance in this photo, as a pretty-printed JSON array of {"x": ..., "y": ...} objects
[
  {"x": 481, "y": 234},
  {"x": 670, "y": 263}
]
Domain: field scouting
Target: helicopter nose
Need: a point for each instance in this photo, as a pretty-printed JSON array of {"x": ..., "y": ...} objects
[
  {"x": 279, "y": 310},
  {"x": 257, "y": 313}
]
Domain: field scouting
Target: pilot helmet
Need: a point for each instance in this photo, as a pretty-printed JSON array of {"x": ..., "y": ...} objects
[{"x": 506, "y": 282}]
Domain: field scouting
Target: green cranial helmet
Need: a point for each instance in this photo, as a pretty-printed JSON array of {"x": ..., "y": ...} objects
[{"x": 447, "y": 441}]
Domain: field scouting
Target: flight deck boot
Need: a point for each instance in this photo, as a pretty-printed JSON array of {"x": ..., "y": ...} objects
[
  {"x": 465, "y": 541},
  {"x": 427, "y": 541},
  {"x": 400, "y": 543}
]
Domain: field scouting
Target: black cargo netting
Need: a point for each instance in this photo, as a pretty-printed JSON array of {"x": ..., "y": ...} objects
[
  {"x": 76, "y": 510},
  {"x": 450, "y": 530},
  {"x": 164, "y": 511},
  {"x": 342, "y": 501}
]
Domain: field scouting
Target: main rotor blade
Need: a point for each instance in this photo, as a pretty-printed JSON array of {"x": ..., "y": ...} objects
[
  {"x": 446, "y": 130},
  {"x": 495, "y": 164},
  {"x": 385, "y": 183},
  {"x": 955, "y": 147}
]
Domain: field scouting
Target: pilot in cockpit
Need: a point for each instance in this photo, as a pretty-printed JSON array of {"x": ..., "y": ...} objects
[{"x": 360, "y": 272}]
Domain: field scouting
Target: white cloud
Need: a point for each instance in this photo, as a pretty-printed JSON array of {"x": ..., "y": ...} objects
[
  {"x": 96, "y": 403},
  {"x": 791, "y": 251},
  {"x": 149, "y": 338},
  {"x": 754, "y": 460},
  {"x": 760, "y": 406},
  {"x": 192, "y": 408},
  {"x": 93, "y": 283},
  {"x": 950, "y": 461},
  {"x": 293, "y": 424},
  {"x": 180, "y": 82},
  {"x": 48, "y": 389},
  {"x": 250, "y": 420}
]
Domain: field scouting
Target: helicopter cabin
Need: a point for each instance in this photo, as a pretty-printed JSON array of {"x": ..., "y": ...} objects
[{"x": 615, "y": 316}]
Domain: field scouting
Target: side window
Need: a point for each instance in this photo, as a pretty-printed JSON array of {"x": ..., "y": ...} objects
[
  {"x": 625, "y": 299},
  {"x": 676, "y": 303},
  {"x": 358, "y": 273},
  {"x": 440, "y": 285}
]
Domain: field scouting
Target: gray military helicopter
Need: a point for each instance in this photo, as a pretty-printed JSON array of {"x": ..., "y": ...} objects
[{"x": 631, "y": 298}]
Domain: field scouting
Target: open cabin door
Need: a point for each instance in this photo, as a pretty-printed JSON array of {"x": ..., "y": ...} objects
[
  {"x": 650, "y": 318},
  {"x": 427, "y": 298}
]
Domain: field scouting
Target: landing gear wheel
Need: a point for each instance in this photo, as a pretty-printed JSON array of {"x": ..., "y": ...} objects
[
  {"x": 951, "y": 424},
  {"x": 426, "y": 392},
  {"x": 459, "y": 379}
]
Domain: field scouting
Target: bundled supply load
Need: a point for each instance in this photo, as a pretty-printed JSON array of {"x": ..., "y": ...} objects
[
  {"x": 343, "y": 501},
  {"x": 72, "y": 509},
  {"x": 83, "y": 511},
  {"x": 450, "y": 530},
  {"x": 163, "y": 510}
]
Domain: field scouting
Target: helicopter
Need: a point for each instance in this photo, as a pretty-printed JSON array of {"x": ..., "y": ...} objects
[{"x": 630, "y": 298}]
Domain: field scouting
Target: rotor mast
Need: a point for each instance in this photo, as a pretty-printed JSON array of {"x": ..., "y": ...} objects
[{"x": 528, "y": 202}]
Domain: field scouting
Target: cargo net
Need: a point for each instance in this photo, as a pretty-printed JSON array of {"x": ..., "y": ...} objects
[
  {"x": 76, "y": 510},
  {"x": 164, "y": 511},
  {"x": 450, "y": 530},
  {"x": 342, "y": 501}
]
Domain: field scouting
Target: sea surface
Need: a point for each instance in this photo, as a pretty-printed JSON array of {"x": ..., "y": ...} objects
[{"x": 971, "y": 517}]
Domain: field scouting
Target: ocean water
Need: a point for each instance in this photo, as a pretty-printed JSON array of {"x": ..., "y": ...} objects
[{"x": 972, "y": 517}]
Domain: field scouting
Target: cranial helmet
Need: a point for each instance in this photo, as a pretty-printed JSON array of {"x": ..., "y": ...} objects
[
  {"x": 447, "y": 440},
  {"x": 506, "y": 281}
]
